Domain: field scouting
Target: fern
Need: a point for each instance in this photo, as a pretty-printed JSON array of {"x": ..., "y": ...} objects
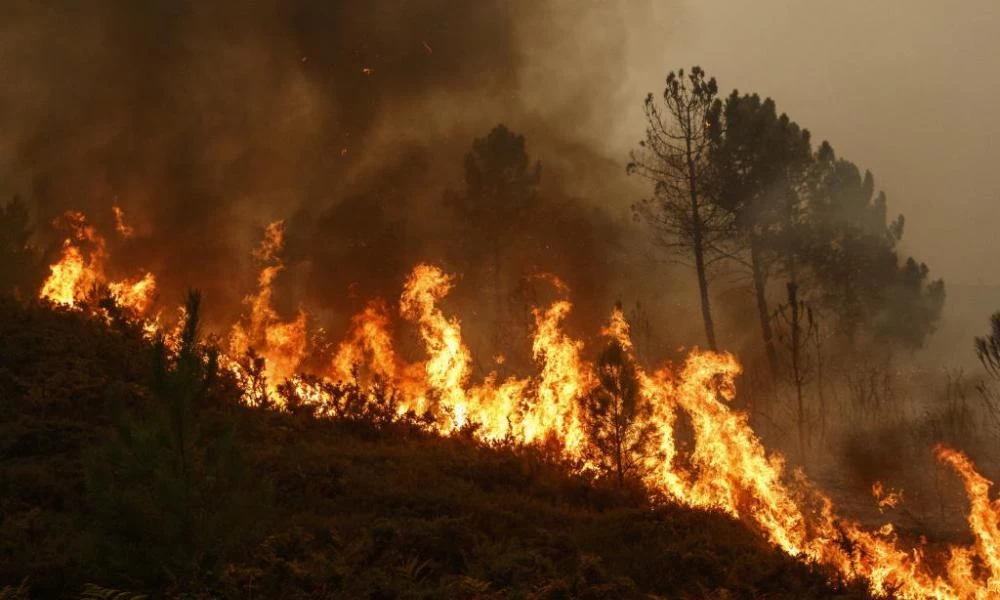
[
  {"x": 15, "y": 593},
  {"x": 415, "y": 569},
  {"x": 96, "y": 592},
  {"x": 470, "y": 585}
]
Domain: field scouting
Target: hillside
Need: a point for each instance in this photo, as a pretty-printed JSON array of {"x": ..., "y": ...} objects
[{"x": 102, "y": 482}]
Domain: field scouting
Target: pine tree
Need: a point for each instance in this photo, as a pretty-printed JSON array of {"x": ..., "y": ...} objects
[
  {"x": 615, "y": 417},
  {"x": 499, "y": 193},
  {"x": 168, "y": 495},
  {"x": 20, "y": 268},
  {"x": 674, "y": 156}
]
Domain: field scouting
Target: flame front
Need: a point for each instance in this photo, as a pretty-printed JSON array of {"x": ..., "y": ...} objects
[{"x": 727, "y": 467}]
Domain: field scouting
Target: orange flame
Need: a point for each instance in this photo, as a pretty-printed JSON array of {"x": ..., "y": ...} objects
[
  {"x": 134, "y": 295},
  {"x": 984, "y": 520},
  {"x": 124, "y": 229},
  {"x": 727, "y": 467},
  {"x": 447, "y": 368},
  {"x": 75, "y": 273},
  {"x": 886, "y": 499},
  {"x": 81, "y": 267},
  {"x": 562, "y": 381},
  {"x": 282, "y": 344},
  {"x": 369, "y": 340}
]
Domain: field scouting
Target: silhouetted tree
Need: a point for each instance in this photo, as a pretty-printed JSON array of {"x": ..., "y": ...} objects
[
  {"x": 760, "y": 160},
  {"x": 797, "y": 318},
  {"x": 988, "y": 352},
  {"x": 988, "y": 347},
  {"x": 500, "y": 190},
  {"x": 819, "y": 336},
  {"x": 841, "y": 194},
  {"x": 615, "y": 416},
  {"x": 851, "y": 252},
  {"x": 359, "y": 243},
  {"x": 19, "y": 261},
  {"x": 255, "y": 383},
  {"x": 169, "y": 495},
  {"x": 641, "y": 328},
  {"x": 675, "y": 157}
]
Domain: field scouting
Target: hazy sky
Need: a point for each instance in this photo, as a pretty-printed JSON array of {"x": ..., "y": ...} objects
[{"x": 905, "y": 88}]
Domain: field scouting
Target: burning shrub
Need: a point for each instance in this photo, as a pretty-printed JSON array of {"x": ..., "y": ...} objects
[{"x": 375, "y": 404}]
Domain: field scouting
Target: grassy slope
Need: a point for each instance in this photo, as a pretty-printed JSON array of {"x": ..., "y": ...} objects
[{"x": 354, "y": 512}]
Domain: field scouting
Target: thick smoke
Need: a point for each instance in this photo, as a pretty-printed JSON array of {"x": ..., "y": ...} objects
[{"x": 204, "y": 121}]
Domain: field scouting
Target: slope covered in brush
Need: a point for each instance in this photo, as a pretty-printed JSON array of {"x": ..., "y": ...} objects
[{"x": 134, "y": 471}]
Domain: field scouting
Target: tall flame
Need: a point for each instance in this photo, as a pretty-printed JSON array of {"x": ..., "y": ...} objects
[
  {"x": 563, "y": 379},
  {"x": 984, "y": 520},
  {"x": 282, "y": 344},
  {"x": 447, "y": 368}
]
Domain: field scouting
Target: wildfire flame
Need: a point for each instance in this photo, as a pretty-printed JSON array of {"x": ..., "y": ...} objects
[
  {"x": 134, "y": 295},
  {"x": 81, "y": 268},
  {"x": 369, "y": 343},
  {"x": 124, "y": 229},
  {"x": 75, "y": 274},
  {"x": 282, "y": 344},
  {"x": 886, "y": 499},
  {"x": 727, "y": 467}
]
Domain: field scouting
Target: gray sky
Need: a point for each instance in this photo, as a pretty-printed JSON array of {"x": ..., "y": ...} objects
[{"x": 905, "y": 88}]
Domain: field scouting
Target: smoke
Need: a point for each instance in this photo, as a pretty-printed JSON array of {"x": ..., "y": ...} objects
[{"x": 205, "y": 121}]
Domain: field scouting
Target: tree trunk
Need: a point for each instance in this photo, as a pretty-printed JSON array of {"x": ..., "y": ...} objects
[
  {"x": 699, "y": 251},
  {"x": 497, "y": 301},
  {"x": 763, "y": 312},
  {"x": 706, "y": 309},
  {"x": 819, "y": 385},
  {"x": 619, "y": 439},
  {"x": 793, "y": 303}
]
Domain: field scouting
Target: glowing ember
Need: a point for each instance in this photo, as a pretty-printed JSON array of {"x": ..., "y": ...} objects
[
  {"x": 124, "y": 229},
  {"x": 890, "y": 499}
]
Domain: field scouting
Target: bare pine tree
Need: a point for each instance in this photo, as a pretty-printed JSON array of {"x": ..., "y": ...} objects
[{"x": 675, "y": 157}]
